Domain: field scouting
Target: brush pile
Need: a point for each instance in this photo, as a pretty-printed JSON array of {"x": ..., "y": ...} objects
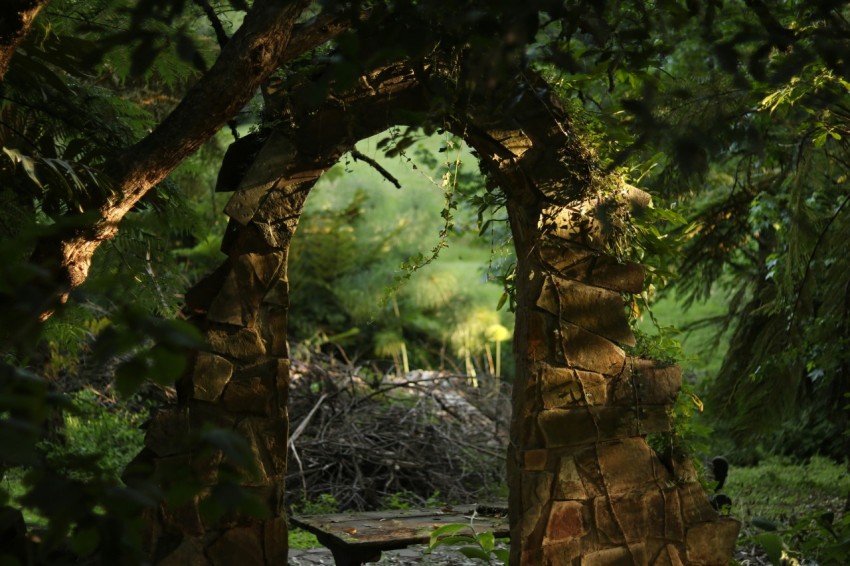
[{"x": 371, "y": 441}]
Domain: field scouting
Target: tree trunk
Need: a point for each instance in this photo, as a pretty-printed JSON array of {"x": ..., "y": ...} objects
[{"x": 16, "y": 18}]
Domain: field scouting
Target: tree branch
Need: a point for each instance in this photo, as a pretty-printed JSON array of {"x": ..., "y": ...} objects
[
  {"x": 16, "y": 19},
  {"x": 262, "y": 43}
]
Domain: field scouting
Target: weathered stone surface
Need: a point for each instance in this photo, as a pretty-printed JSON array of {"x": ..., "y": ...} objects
[
  {"x": 629, "y": 464},
  {"x": 535, "y": 460},
  {"x": 594, "y": 268},
  {"x": 210, "y": 375},
  {"x": 594, "y": 309},
  {"x": 278, "y": 295},
  {"x": 566, "y": 522},
  {"x": 274, "y": 323},
  {"x": 647, "y": 382},
  {"x": 669, "y": 556},
  {"x": 184, "y": 518},
  {"x": 190, "y": 552},
  {"x": 536, "y": 491},
  {"x": 695, "y": 505},
  {"x": 540, "y": 336},
  {"x": 711, "y": 544},
  {"x": 275, "y": 158},
  {"x": 574, "y": 223},
  {"x": 586, "y": 425},
  {"x": 620, "y": 520},
  {"x": 618, "y": 556},
  {"x": 557, "y": 554},
  {"x": 569, "y": 484},
  {"x": 275, "y": 541},
  {"x": 674, "y": 525},
  {"x": 564, "y": 387},
  {"x": 250, "y": 278},
  {"x": 168, "y": 432},
  {"x": 591, "y": 352},
  {"x": 652, "y": 418},
  {"x": 239, "y": 343},
  {"x": 240, "y": 545},
  {"x": 250, "y": 395},
  {"x": 267, "y": 440},
  {"x": 683, "y": 467}
]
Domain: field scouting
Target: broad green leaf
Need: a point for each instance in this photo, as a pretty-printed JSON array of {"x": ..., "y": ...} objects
[
  {"x": 487, "y": 541},
  {"x": 446, "y": 530},
  {"x": 503, "y": 554},
  {"x": 773, "y": 546}
]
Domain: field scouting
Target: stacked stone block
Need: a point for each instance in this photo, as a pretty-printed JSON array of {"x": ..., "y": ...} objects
[
  {"x": 238, "y": 383},
  {"x": 586, "y": 488}
]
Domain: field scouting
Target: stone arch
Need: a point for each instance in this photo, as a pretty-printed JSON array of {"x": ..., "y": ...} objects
[{"x": 584, "y": 485}]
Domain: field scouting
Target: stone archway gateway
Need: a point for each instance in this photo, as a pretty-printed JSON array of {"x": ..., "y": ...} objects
[{"x": 584, "y": 485}]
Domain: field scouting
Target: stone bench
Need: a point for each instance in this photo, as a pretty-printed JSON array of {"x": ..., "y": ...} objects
[{"x": 357, "y": 538}]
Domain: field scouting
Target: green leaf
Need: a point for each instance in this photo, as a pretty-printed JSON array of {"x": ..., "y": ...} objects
[
  {"x": 85, "y": 541},
  {"x": 503, "y": 554},
  {"x": 453, "y": 540},
  {"x": 773, "y": 546},
  {"x": 487, "y": 541},
  {"x": 444, "y": 531}
]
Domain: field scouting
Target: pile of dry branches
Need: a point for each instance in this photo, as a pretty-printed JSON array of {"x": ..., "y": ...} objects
[{"x": 366, "y": 439}]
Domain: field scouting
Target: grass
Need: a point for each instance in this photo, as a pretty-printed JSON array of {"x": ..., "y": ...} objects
[{"x": 784, "y": 492}]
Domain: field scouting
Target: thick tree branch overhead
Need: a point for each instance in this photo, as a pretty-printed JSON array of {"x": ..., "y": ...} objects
[
  {"x": 16, "y": 17},
  {"x": 267, "y": 39}
]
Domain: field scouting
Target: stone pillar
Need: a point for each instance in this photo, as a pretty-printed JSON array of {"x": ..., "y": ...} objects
[
  {"x": 223, "y": 507},
  {"x": 585, "y": 486}
]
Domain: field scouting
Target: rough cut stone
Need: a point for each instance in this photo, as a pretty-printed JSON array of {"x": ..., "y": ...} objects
[
  {"x": 536, "y": 489},
  {"x": 669, "y": 556},
  {"x": 189, "y": 553},
  {"x": 183, "y": 518},
  {"x": 594, "y": 268},
  {"x": 274, "y": 323},
  {"x": 278, "y": 295},
  {"x": 560, "y": 553},
  {"x": 210, "y": 375},
  {"x": 566, "y": 522},
  {"x": 647, "y": 382},
  {"x": 250, "y": 395},
  {"x": 711, "y": 544},
  {"x": 565, "y": 387},
  {"x": 535, "y": 460},
  {"x": 625, "y": 519},
  {"x": 590, "y": 351},
  {"x": 540, "y": 336},
  {"x": 574, "y": 223},
  {"x": 695, "y": 505},
  {"x": 241, "y": 343},
  {"x": 617, "y": 556},
  {"x": 240, "y": 545},
  {"x": 267, "y": 440},
  {"x": 586, "y": 425},
  {"x": 168, "y": 432},
  {"x": 250, "y": 278},
  {"x": 594, "y": 309},
  {"x": 628, "y": 464},
  {"x": 569, "y": 484},
  {"x": 275, "y": 541},
  {"x": 274, "y": 159}
]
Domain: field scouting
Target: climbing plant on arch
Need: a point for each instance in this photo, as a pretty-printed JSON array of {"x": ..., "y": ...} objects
[{"x": 584, "y": 484}]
